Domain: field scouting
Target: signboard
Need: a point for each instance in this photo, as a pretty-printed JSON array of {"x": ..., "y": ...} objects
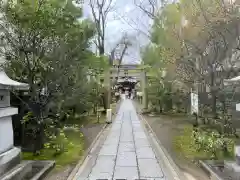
[
  {"x": 237, "y": 151},
  {"x": 238, "y": 107},
  {"x": 194, "y": 103}
]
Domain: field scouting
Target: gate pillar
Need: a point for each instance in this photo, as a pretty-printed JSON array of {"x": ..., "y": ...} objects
[{"x": 144, "y": 89}]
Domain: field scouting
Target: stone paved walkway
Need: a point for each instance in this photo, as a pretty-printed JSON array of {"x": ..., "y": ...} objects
[{"x": 126, "y": 152}]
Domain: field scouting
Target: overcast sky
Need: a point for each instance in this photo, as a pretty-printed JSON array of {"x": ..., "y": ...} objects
[{"x": 125, "y": 17}]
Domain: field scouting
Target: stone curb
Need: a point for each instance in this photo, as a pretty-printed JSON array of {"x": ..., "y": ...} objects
[
  {"x": 168, "y": 161},
  {"x": 86, "y": 153},
  {"x": 75, "y": 170}
]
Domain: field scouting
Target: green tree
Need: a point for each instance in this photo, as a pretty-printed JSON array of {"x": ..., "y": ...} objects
[
  {"x": 47, "y": 46},
  {"x": 197, "y": 39}
]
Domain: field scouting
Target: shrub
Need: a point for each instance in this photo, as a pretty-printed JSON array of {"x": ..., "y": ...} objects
[
  {"x": 212, "y": 143},
  {"x": 58, "y": 141},
  {"x": 199, "y": 144}
]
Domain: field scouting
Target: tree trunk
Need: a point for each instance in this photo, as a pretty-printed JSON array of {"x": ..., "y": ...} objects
[
  {"x": 104, "y": 102},
  {"x": 105, "y": 96},
  {"x": 161, "y": 107},
  {"x": 213, "y": 92},
  {"x": 94, "y": 109},
  {"x": 214, "y": 104},
  {"x": 39, "y": 136}
]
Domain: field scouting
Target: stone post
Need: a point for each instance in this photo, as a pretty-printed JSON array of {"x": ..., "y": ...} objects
[
  {"x": 107, "y": 87},
  {"x": 144, "y": 89}
]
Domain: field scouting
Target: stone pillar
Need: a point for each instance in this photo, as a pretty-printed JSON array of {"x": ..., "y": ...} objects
[
  {"x": 144, "y": 89},
  {"x": 107, "y": 87}
]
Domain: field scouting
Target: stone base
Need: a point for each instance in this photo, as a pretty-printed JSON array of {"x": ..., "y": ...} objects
[
  {"x": 233, "y": 166},
  {"x": 9, "y": 159},
  {"x": 234, "y": 169}
]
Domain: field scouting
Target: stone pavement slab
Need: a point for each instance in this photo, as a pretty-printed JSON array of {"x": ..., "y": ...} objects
[
  {"x": 126, "y": 152},
  {"x": 109, "y": 163},
  {"x": 126, "y": 159},
  {"x": 141, "y": 143},
  {"x": 145, "y": 153},
  {"x": 126, "y": 173},
  {"x": 126, "y": 138},
  {"x": 108, "y": 150},
  {"x": 150, "y": 168},
  {"x": 112, "y": 140},
  {"x": 98, "y": 176},
  {"x": 126, "y": 147},
  {"x": 140, "y": 135}
]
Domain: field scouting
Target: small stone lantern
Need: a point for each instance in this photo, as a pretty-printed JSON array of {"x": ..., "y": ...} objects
[{"x": 9, "y": 155}]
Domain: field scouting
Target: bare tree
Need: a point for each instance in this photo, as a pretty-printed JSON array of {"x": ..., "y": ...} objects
[
  {"x": 150, "y": 7},
  {"x": 100, "y": 10},
  {"x": 120, "y": 50}
]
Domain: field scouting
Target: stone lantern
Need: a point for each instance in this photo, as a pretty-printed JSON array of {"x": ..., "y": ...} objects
[{"x": 9, "y": 155}]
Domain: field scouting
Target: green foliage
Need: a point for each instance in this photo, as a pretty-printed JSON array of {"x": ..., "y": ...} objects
[
  {"x": 47, "y": 46},
  {"x": 73, "y": 150},
  {"x": 166, "y": 26},
  {"x": 192, "y": 40},
  {"x": 212, "y": 143},
  {"x": 53, "y": 44},
  {"x": 27, "y": 117},
  {"x": 204, "y": 145},
  {"x": 58, "y": 141},
  {"x": 184, "y": 145},
  {"x": 161, "y": 95},
  {"x": 159, "y": 56}
]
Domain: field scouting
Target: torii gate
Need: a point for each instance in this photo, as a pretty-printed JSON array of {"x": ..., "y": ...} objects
[{"x": 126, "y": 72}]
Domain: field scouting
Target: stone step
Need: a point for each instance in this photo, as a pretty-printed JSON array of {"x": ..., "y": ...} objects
[
  {"x": 31, "y": 170},
  {"x": 9, "y": 160},
  {"x": 18, "y": 172}
]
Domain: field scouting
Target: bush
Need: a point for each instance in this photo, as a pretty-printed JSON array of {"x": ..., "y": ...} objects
[
  {"x": 212, "y": 143},
  {"x": 198, "y": 144},
  {"x": 54, "y": 134},
  {"x": 73, "y": 149},
  {"x": 59, "y": 142},
  {"x": 184, "y": 144}
]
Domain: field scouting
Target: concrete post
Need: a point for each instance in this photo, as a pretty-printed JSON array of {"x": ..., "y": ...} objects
[
  {"x": 109, "y": 116},
  {"x": 107, "y": 87},
  {"x": 144, "y": 89}
]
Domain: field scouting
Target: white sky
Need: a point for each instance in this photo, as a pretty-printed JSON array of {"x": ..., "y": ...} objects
[{"x": 125, "y": 17}]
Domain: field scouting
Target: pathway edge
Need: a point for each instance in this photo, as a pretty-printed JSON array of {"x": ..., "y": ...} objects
[
  {"x": 168, "y": 161},
  {"x": 74, "y": 172},
  {"x": 86, "y": 153}
]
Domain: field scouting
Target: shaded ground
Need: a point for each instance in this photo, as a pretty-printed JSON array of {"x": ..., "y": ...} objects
[
  {"x": 166, "y": 129},
  {"x": 90, "y": 130}
]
